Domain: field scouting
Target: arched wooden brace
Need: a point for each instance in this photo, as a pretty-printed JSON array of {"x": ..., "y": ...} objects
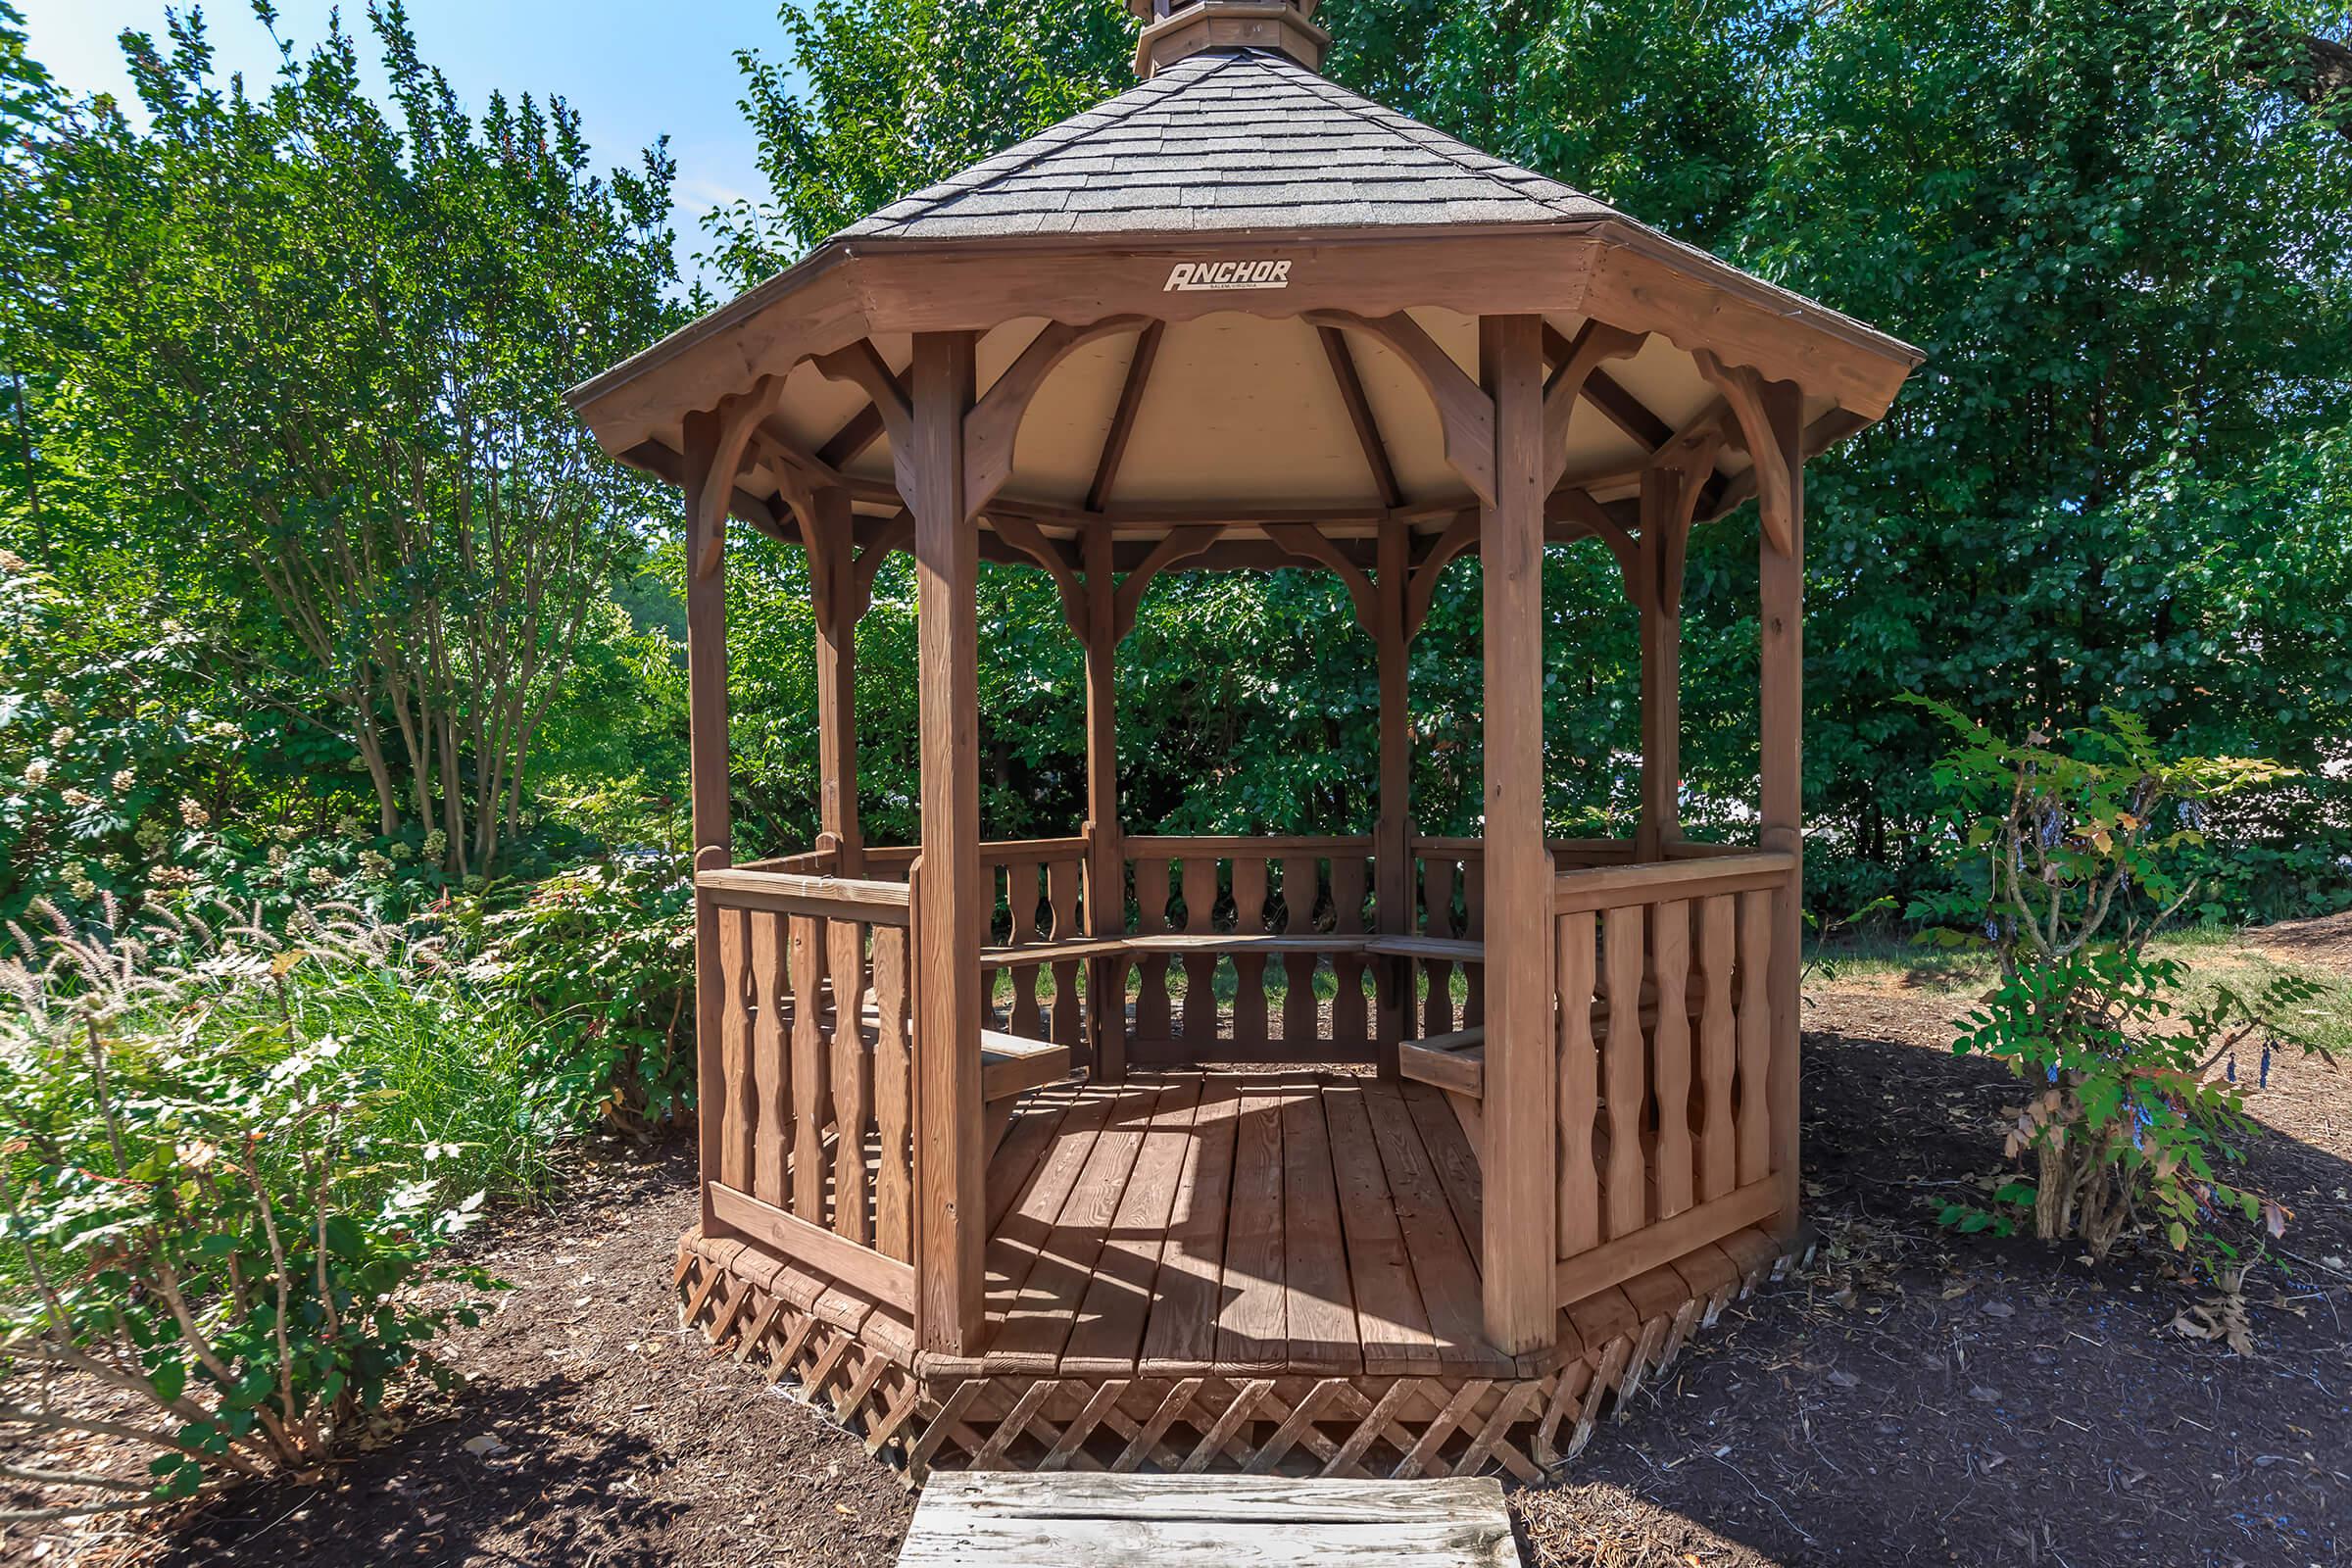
[
  {"x": 1459, "y": 535},
  {"x": 896, "y": 533},
  {"x": 1465, "y": 412},
  {"x": 1597, "y": 343},
  {"x": 861, "y": 365},
  {"x": 738, "y": 416},
  {"x": 1181, "y": 544},
  {"x": 1306, "y": 542},
  {"x": 1744, "y": 389},
  {"x": 995, "y": 423},
  {"x": 1024, "y": 535}
]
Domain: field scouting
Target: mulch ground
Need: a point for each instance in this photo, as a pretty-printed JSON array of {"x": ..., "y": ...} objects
[{"x": 1917, "y": 1396}]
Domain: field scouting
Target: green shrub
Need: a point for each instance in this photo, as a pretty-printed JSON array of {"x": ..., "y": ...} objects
[
  {"x": 205, "y": 1203},
  {"x": 605, "y": 955},
  {"x": 2069, "y": 859}
]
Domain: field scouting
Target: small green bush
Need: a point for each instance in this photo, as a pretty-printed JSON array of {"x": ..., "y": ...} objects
[
  {"x": 205, "y": 1204},
  {"x": 2069, "y": 859},
  {"x": 605, "y": 955}
]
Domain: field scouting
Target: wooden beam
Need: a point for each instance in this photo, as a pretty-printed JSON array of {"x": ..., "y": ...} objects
[
  {"x": 1518, "y": 1247},
  {"x": 995, "y": 423},
  {"x": 1359, "y": 413},
  {"x": 1308, "y": 544},
  {"x": 1122, "y": 417},
  {"x": 1106, "y": 856},
  {"x": 838, "y": 609},
  {"x": 1779, "y": 453},
  {"x": 1596, "y": 342},
  {"x": 1392, "y": 831},
  {"x": 707, "y": 761},
  {"x": 1465, "y": 412},
  {"x": 1179, "y": 545},
  {"x": 950, "y": 915}
]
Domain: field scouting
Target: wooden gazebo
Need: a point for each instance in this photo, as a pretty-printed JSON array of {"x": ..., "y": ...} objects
[{"x": 1363, "y": 1153}]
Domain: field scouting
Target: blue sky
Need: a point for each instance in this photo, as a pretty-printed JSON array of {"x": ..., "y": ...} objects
[{"x": 633, "y": 72}]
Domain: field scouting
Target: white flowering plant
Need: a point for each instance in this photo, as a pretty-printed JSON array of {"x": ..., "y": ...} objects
[{"x": 202, "y": 1215}]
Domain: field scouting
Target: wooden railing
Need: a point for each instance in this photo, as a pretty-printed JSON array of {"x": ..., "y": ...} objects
[
  {"x": 810, "y": 1154},
  {"x": 1037, "y": 918},
  {"x": 1665, "y": 1046},
  {"x": 1249, "y": 903}
]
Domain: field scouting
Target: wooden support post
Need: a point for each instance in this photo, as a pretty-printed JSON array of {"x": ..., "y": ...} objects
[
  {"x": 950, "y": 1211},
  {"x": 1518, "y": 1245},
  {"x": 837, "y": 606},
  {"x": 707, "y": 761},
  {"x": 1781, "y": 718},
  {"x": 1392, "y": 832},
  {"x": 1658, "y": 595},
  {"x": 1105, "y": 855}
]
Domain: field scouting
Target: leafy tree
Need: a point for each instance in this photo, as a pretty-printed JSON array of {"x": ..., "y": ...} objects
[{"x": 319, "y": 351}]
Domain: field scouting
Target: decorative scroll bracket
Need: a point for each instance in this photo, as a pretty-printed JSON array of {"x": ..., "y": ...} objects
[
  {"x": 1306, "y": 542},
  {"x": 1464, "y": 411},
  {"x": 861, "y": 365},
  {"x": 739, "y": 416},
  {"x": 1181, "y": 544},
  {"x": 1597, "y": 344},
  {"x": 994, "y": 421},
  {"x": 1024, "y": 535},
  {"x": 1743, "y": 389}
]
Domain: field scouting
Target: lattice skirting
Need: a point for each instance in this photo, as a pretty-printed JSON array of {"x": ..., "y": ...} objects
[{"x": 856, "y": 1361}]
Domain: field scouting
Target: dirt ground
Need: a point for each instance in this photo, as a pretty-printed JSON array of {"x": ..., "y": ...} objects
[{"x": 1917, "y": 1396}]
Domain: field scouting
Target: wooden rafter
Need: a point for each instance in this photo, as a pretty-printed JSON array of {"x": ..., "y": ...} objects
[
  {"x": 1181, "y": 544},
  {"x": 1465, "y": 414},
  {"x": 995, "y": 423},
  {"x": 1307, "y": 543},
  {"x": 1359, "y": 413},
  {"x": 1123, "y": 416}
]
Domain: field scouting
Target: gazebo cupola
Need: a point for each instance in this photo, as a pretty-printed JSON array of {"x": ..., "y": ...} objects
[
  {"x": 994, "y": 1152},
  {"x": 1176, "y": 28}
]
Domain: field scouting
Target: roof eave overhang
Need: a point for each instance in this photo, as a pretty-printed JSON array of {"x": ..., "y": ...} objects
[{"x": 1604, "y": 266}]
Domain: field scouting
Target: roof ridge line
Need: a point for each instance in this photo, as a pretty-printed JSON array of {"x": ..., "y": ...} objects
[
  {"x": 1357, "y": 105},
  {"x": 1141, "y": 97}
]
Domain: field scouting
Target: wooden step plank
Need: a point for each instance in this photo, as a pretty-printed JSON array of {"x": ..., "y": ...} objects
[
  {"x": 1251, "y": 1315},
  {"x": 1182, "y": 1335},
  {"x": 995, "y": 1520},
  {"x": 1444, "y": 1266},
  {"x": 1321, "y": 1306},
  {"x": 1110, "y": 1330},
  {"x": 1038, "y": 1318},
  {"x": 1390, "y": 1322}
]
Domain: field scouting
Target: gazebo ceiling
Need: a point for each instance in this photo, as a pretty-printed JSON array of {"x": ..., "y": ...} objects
[{"x": 1240, "y": 223}]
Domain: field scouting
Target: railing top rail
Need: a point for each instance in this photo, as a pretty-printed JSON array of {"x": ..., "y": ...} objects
[
  {"x": 1141, "y": 846},
  {"x": 788, "y": 893},
  {"x": 1072, "y": 848},
  {"x": 1612, "y": 887}
]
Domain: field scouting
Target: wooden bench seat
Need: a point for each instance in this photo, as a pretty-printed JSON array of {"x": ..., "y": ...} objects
[
  {"x": 1453, "y": 950},
  {"x": 1454, "y": 1063},
  {"x": 1073, "y": 950},
  {"x": 1012, "y": 1065},
  {"x": 1235, "y": 942}
]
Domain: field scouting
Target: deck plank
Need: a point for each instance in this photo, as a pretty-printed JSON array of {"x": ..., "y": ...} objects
[
  {"x": 1037, "y": 1319},
  {"x": 1449, "y": 1152},
  {"x": 1110, "y": 1330},
  {"x": 1017, "y": 1240},
  {"x": 995, "y": 1520},
  {"x": 1321, "y": 1306},
  {"x": 1253, "y": 1308},
  {"x": 1445, "y": 1268},
  {"x": 1391, "y": 1323},
  {"x": 1182, "y": 1335}
]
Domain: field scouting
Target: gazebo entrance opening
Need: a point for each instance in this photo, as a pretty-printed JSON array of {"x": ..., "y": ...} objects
[{"x": 1482, "y": 1128}]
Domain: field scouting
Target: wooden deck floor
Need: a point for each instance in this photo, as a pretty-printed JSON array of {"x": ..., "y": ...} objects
[{"x": 1236, "y": 1222}]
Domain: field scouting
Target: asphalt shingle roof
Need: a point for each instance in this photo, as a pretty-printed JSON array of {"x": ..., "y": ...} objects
[{"x": 1229, "y": 141}]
